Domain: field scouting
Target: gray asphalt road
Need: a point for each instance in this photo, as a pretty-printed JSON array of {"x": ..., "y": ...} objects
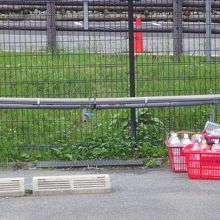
[{"x": 137, "y": 194}]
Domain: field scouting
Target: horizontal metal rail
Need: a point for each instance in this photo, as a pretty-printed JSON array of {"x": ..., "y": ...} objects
[
  {"x": 101, "y": 8},
  {"x": 147, "y": 3},
  {"x": 109, "y": 17},
  {"x": 109, "y": 8},
  {"x": 107, "y": 103},
  {"x": 157, "y": 29}
]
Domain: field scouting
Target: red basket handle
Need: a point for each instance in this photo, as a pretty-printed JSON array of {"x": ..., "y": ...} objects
[{"x": 166, "y": 143}]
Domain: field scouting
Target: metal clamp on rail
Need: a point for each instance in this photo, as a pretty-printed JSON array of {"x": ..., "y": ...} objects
[
  {"x": 215, "y": 102},
  {"x": 90, "y": 102},
  {"x": 94, "y": 104},
  {"x": 38, "y": 101},
  {"x": 145, "y": 100}
]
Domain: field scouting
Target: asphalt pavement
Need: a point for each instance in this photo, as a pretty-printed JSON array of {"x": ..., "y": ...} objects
[{"x": 136, "y": 194}]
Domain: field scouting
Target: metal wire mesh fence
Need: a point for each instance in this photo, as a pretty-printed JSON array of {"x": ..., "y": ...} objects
[{"x": 85, "y": 48}]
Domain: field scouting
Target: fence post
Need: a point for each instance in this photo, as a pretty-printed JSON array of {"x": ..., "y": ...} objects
[
  {"x": 208, "y": 35},
  {"x": 177, "y": 27},
  {"x": 131, "y": 65},
  {"x": 51, "y": 25},
  {"x": 85, "y": 15},
  {"x": 208, "y": 46}
]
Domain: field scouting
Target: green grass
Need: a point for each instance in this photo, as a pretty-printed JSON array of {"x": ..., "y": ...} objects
[
  {"x": 80, "y": 74},
  {"x": 62, "y": 75},
  {"x": 101, "y": 75}
]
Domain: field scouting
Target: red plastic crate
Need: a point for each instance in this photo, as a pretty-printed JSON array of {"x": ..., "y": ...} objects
[
  {"x": 177, "y": 158},
  {"x": 212, "y": 137},
  {"x": 202, "y": 165}
]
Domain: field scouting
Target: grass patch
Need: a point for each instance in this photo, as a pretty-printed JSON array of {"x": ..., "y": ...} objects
[{"x": 62, "y": 133}]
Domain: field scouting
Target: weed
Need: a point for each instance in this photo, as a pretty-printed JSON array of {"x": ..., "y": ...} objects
[{"x": 152, "y": 163}]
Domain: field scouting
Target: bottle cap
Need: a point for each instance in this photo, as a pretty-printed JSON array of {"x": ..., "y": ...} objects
[
  {"x": 186, "y": 135},
  {"x": 204, "y": 141},
  {"x": 173, "y": 134}
]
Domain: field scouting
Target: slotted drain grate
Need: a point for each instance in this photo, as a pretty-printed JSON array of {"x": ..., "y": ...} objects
[{"x": 88, "y": 163}]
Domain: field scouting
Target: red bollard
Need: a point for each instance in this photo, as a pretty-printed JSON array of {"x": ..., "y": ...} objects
[{"x": 138, "y": 38}]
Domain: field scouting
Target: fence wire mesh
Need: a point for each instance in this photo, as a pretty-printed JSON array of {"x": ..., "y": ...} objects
[{"x": 80, "y": 49}]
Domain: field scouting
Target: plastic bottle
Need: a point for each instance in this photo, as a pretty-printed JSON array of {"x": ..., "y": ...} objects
[
  {"x": 171, "y": 136},
  {"x": 174, "y": 141},
  {"x": 216, "y": 146},
  {"x": 197, "y": 137},
  {"x": 204, "y": 146},
  {"x": 196, "y": 146},
  {"x": 185, "y": 140}
]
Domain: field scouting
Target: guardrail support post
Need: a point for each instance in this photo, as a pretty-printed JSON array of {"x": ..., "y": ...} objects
[
  {"x": 51, "y": 25},
  {"x": 177, "y": 27},
  {"x": 85, "y": 15},
  {"x": 131, "y": 64},
  {"x": 208, "y": 46},
  {"x": 208, "y": 35}
]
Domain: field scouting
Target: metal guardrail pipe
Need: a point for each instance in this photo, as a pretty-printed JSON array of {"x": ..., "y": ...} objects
[
  {"x": 19, "y": 8},
  {"x": 46, "y": 101},
  {"x": 147, "y": 3},
  {"x": 106, "y": 103},
  {"x": 102, "y": 107},
  {"x": 155, "y": 105},
  {"x": 52, "y": 107},
  {"x": 26, "y": 26},
  {"x": 103, "y": 18},
  {"x": 215, "y": 30}
]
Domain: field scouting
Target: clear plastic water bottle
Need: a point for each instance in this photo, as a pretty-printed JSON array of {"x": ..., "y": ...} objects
[
  {"x": 216, "y": 146},
  {"x": 196, "y": 146},
  {"x": 174, "y": 141},
  {"x": 197, "y": 137},
  {"x": 185, "y": 140}
]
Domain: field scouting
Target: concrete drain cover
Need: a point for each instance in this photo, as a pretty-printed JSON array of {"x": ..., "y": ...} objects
[
  {"x": 12, "y": 187},
  {"x": 52, "y": 185}
]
